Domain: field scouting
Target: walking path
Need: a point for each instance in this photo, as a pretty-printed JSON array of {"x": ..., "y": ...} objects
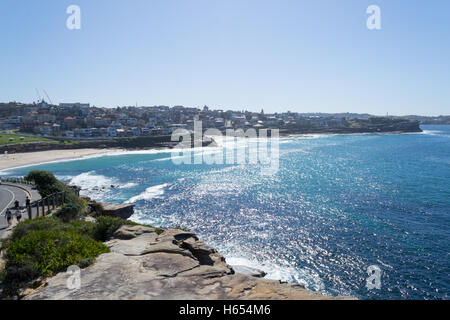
[{"x": 9, "y": 193}]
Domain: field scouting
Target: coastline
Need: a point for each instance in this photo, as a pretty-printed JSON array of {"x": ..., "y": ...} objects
[
  {"x": 30, "y": 158},
  {"x": 17, "y": 160}
]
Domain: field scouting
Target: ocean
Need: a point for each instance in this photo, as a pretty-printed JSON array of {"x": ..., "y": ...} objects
[{"x": 338, "y": 205}]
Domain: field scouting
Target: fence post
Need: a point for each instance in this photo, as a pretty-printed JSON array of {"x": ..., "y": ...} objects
[
  {"x": 37, "y": 208},
  {"x": 30, "y": 215},
  {"x": 53, "y": 201},
  {"x": 43, "y": 207}
]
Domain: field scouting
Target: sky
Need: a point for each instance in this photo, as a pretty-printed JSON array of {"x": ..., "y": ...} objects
[{"x": 276, "y": 55}]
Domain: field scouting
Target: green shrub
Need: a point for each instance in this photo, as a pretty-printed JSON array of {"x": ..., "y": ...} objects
[
  {"x": 83, "y": 227},
  {"x": 182, "y": 229},
  {"x": 96, "y": 209},
  {"x": 132, "y": 223},
  {"x": 45, "y": 253},
  {"x": 47, "y": 184},
  {"x": 51, "y": 224},
  {"x": 39, "y": 224},
  {"x": 106, "y": 226},
  {"x": 69, "y": 212},
  {"x": 47, "y": 245}
]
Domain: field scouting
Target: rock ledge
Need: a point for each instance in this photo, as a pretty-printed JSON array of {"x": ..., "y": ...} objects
[{"x": 173, "y": 265}]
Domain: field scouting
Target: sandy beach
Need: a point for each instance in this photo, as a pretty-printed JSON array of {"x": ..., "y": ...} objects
[{"x": 8, "y": 161}]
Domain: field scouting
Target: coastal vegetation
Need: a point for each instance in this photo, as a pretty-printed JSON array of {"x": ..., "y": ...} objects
[
  {"x": 45, "y": 246},
  {"x": 47, "y": 184}
]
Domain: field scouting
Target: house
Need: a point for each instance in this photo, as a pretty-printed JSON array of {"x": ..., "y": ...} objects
[
  {"x": 120, "y": 133},
  {"x": 111, "y": 131},
  {"x": 56, "y": 129},
  {"x": 135, "y": 131},
  {"x": 116, "y": 125},
  {"x": 70, "y": 122}
]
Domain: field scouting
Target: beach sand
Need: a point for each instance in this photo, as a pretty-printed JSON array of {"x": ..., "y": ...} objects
[{"x": 8, "y": 161}]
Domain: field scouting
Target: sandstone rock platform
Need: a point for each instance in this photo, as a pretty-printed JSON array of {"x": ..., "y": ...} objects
[{"x": 143, "y": 265}]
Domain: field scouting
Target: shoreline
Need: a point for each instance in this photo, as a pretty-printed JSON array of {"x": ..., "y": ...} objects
[
  {"x": 25, "y": 159},
  {"x": 32, "y": 158}
]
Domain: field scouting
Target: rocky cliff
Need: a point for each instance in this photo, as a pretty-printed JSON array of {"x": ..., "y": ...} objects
[{"x": 173, "y": 265}]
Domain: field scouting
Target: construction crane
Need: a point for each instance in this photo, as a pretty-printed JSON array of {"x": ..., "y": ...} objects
[
  {"x": 50, "y": 100},
  {"x": 39, "y": 96}
]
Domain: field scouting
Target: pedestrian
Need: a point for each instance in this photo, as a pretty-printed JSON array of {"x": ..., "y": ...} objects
[
  {"x": 16, "y": 204},
  {"x": 18, "y": 215},
  {"x": 27, "y": 202},
  {"x": 8, "y": 216}
]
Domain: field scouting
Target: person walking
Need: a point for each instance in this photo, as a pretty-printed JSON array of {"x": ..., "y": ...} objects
[
  {"x": 8, "y": 215},
  {"x": 16, "y": 204},
  {"x": 27, "y": 202},
  {"x": 18, "y": 215}
]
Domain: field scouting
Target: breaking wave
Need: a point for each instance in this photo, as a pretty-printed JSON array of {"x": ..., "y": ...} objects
[{"x": 149, "y": 193}]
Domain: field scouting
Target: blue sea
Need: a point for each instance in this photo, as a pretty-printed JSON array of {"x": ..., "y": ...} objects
[{"x": 337, "y": 205}]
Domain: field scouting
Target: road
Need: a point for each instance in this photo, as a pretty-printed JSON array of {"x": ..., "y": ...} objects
[{"x": 8, "y": 195}]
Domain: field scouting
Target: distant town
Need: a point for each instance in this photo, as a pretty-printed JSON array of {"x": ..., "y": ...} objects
[{"x": 83, "y": 121}]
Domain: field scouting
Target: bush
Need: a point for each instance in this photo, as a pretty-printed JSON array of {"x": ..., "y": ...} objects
[
  {"x": 132, "y": 223},
  {"x": 96, "y": 209},
  {"x": 106, "y": 226},
  {"x": 47, "y": 245},
  {"x": 181, "y": 229},
  {"x": 47, "y": 184},
  {"x": 51, "y": 224},
  {"x": 45, "y": 253},
  {"x": 69, "y": 212}
]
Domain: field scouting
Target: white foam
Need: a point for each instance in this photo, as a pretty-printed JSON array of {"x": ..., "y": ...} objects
[
  {"x": 149, "y": 193},
  {"x": 307, "y": 278},
  {"x": 312, "y": 135},
  {"x": 90, "y": 180},
  {"x": 434, "y": 133},
  {"x": 128, "y": 185}
]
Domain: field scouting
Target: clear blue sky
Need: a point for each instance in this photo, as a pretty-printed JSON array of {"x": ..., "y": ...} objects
[{"x": 305, "y": 56}]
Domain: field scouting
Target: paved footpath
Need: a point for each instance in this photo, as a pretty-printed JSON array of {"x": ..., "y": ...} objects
[{"x": 9, "y": 193}]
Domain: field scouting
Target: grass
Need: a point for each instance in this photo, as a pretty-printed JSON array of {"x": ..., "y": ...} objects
[{"x": 4, "y": 139}]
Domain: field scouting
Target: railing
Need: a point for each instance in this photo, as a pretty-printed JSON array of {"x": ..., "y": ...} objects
[
  {"x": 50, "y": 203},
  {"x": 18, "y": 180}
]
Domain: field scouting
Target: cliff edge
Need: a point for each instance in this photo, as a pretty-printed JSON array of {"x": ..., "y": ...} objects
[{"x": 174, "y": 265}]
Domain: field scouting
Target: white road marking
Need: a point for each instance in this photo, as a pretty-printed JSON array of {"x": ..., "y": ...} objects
[{"x": 7, "y": 206}]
